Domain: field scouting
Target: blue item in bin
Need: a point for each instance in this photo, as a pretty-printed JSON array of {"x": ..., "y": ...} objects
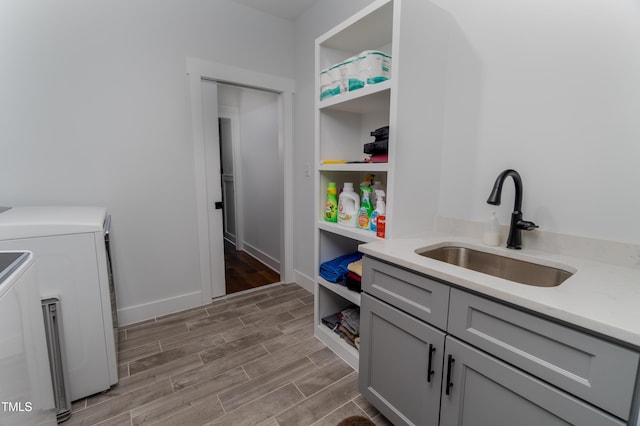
[{"x": 336, "y": 270}]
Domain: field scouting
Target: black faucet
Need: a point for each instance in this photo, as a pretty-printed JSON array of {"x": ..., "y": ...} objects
[{"x": 517, "y": 224}]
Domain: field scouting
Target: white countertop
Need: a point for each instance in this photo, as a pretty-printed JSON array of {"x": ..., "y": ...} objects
[{"x": 599, "y": 296}]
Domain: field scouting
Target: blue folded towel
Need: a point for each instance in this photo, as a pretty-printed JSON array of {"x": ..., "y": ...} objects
[{"x": 336, "y": 270}]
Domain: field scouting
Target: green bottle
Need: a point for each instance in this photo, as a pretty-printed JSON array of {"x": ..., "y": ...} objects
[
  {"x": 331, "y": 207},
  {"x": 365, "y": 208}
]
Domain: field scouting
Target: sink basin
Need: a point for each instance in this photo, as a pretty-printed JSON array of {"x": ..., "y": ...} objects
[{"x": 520, "y": 271}]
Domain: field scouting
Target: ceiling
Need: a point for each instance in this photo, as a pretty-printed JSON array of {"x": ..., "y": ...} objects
[{"x": 287, "y": 9}]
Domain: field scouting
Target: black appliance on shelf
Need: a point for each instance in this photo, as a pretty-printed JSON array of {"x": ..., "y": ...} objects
[{"x": 381, "y": 143}]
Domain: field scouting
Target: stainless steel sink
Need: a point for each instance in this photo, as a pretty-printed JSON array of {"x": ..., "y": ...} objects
[{"x": 520, "y": 271}]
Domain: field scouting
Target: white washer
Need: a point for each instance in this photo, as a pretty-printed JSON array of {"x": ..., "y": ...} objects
[{"x": 68, "y": 244}]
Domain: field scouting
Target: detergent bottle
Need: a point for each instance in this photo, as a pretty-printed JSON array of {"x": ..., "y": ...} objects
[
  {"x": 331, "y": 207},
  {"x": 364, "y": 213},
  {"x": 491, "y": 234},
  {"x": 377, "y": 185},
  {"x": 379, "y": 211},
  {"x": 348, "y": 206}
]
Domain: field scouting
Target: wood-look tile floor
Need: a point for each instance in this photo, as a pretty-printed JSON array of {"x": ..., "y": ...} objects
[{"x": 249, "y": 359}]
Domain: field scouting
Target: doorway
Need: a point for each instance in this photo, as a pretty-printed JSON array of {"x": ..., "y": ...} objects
[
  {"x": 204, "y": 77},
  {"x": 244, "y": 272},
  {"x": 252, "y": 198}
]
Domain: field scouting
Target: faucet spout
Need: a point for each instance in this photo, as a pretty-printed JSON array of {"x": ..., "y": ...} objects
[
  {"x": 514, "y": 241},
  {"x": 496, "y": 193}
]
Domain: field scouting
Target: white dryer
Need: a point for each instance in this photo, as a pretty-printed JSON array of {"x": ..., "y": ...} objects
[
  {"x": 25, "y": 379},
  {"x": 70, "y": 246}
]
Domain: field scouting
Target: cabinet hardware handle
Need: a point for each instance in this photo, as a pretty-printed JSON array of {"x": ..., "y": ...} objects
[
  {"x": 450, "y": 362},
  {"x": 429, "y": 364}
]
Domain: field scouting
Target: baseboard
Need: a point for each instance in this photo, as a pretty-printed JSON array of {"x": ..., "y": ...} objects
[
  {"x": 146, "y": 311},
  {"x": 304, "y": 281},
  {"x": 261, "y": 256}
]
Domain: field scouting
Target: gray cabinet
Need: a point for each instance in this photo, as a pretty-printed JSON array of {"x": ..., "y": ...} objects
[
  {"x": 595, "y": 370},
  {"x": 482, "y": 390},
  {"x": 401, "y": 364},
  {"x": 490, "y": 364}
]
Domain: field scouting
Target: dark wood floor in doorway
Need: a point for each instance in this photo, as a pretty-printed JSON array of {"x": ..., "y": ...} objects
[{"x": 244, "y": 272}]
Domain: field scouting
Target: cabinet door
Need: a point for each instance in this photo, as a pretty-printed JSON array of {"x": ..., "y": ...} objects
[
  {"x": 479, "y": 389},
  {"x": 400, "y": 364}
]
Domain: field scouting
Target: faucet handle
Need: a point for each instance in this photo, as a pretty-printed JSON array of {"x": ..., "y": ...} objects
[{"x": 526, "y": 225}]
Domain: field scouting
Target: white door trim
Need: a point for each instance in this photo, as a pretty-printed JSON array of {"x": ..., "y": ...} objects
[{"x": 198, "y": 70}]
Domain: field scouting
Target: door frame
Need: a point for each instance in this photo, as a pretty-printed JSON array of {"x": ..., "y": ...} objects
[
  {"x": 233, "y": 115},
  {"x": 197, "y": 71}
]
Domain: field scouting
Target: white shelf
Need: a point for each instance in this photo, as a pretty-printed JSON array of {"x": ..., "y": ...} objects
[
  {"x": 340, "y": 290},
  {"x": 355, "y": 167},
  {"x": 371, "y": 98},
  {"x": 353, "y": 233},
  {"x": 344, "y": 350},
  {"x": 414, "y": 113},
  {"x": 371, "y": 27},
  {"x": 342, "y": 124}
]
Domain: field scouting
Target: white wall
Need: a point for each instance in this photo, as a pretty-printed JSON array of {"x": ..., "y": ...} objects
[
  {"x": 323, "y": 16},
  {"x": 260, "y": 168},
  {"x": 95, "y": 110},
  {"x": 550, "y": 88}
]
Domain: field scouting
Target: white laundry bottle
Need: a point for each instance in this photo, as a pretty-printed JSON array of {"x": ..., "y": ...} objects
[{"x": 348, "y": 206}]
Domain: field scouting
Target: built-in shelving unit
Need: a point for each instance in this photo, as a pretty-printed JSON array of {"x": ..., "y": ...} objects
[
  {"x": 343, "y": 126},
  {"x": 411, "y": 103}
]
